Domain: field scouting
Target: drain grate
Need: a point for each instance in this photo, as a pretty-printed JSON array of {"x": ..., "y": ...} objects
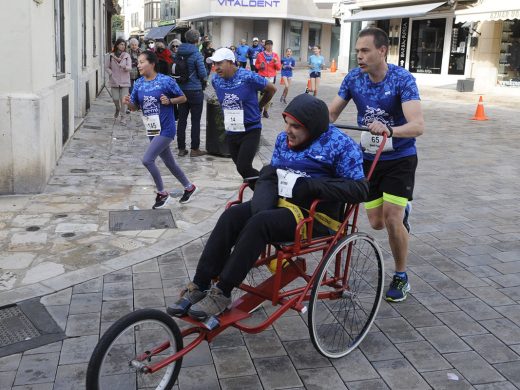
[
  {"x": 140, "y": 220},
  {"x": 26, "y": 325},
  {"x": 15, "y": 326}
]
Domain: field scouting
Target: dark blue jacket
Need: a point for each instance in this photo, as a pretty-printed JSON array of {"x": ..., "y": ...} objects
[{"x": 195, "y": 67}]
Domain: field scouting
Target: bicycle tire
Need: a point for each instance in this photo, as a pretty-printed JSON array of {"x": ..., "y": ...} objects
[
  {"x": 338, "y": 324},
  {"x": 144, "y": 320}
]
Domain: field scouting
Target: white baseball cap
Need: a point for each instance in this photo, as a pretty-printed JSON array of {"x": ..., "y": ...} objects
[
  {"x": 221, "y": 54},
  {"x": 255, "y": 39}
]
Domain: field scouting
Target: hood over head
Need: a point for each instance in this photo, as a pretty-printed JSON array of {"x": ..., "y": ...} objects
[{"x": 310, "y": 112}]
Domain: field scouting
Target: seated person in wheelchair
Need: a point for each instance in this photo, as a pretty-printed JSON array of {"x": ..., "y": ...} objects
[{"x": 311, "y": 160}]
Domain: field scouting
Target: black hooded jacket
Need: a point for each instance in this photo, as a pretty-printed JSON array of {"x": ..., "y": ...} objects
[{"x": 313, "y": 114}]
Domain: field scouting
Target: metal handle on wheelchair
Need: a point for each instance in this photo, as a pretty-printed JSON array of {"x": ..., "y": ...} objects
[{"x": 350, "y": 127}]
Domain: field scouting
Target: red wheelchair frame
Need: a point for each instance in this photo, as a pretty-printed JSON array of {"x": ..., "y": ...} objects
[{"x": 290, "y": 265}]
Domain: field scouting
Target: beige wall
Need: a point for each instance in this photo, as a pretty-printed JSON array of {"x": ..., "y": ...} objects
[
  {"x": 31, "y": 94},
  {"x": 485, "y": 56}
]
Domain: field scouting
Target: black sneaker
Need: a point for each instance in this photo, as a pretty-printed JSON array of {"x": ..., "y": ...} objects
[
  {"x": 398, "y": 290},
  {"x": 407, "y": 211},
  {"x": 186, "y": 197},
  {"x": 161, "y": 200}
]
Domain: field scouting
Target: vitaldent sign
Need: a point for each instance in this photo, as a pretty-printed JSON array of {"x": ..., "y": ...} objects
[{"x": 250, "y": 3}]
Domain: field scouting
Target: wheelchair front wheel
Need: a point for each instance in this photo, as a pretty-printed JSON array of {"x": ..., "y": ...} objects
[
  {"x": 114, "y": 363},
  {"x": 346, "y": 295}
]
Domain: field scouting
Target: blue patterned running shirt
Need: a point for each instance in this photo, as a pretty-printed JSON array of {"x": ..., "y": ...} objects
[
  {"x": 382, "y": 102},
  {"x": 333, "y": 154},
  {"x": 147, "y": 95},
  {"x": 240, "y": 94}
]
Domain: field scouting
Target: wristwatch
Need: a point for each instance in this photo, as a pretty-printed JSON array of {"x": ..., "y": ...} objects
[{"x": 390, "y": 130}]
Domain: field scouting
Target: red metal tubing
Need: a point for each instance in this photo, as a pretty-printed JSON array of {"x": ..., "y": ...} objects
[{"x": 169, "y": 360}]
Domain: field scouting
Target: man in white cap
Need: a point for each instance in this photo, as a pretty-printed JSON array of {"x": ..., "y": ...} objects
[
  {"x": 237, "y": 90},
  {"x": 252, "y": 53}
]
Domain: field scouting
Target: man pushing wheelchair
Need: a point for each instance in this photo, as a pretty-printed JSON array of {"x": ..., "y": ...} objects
[{"x": 311, "y": 160}]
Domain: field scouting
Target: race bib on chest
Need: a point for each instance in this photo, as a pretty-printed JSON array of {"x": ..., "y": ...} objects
[
  {"x": 286, "y": 182},
  {"x": 234, "y": 120},
  {"x": 371, "y": 143},
  {"x": 152, "y": 125}
]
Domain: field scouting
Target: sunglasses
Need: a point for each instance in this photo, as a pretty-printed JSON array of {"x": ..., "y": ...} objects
[{"x": 175, "y": 45}]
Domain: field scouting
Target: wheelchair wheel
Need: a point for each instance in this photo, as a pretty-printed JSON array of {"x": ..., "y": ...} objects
[
  {"x": 346, "y": 295},
  {"x": 113, "y": 364}
]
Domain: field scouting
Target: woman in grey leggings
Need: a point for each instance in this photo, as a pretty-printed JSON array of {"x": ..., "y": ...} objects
[{"x": 156, "y": 94}]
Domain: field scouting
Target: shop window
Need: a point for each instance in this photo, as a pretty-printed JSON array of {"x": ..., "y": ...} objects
[
  {"x": 459, "y": 40},
  {"x": 509, "y": 62},
  {"x": 427, "y": 45},
  {"x": 59, "y": 25},
  {"x": 294, "y": 39},
  {"x": 355, "y": 28},
  {"x": 334, "y": 42}
]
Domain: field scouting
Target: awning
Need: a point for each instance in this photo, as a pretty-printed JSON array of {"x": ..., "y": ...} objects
[
  {"x": 159, "y": 32},
  {"x": 395, "y": 12},
  {"x": 489, "y": 10}
]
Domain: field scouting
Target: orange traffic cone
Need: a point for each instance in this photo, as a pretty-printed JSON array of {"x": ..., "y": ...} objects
[
  {"x": 479, "y": 113},
  {"x": 333, "y": 67},
  {"x": 308, "y": 89}
]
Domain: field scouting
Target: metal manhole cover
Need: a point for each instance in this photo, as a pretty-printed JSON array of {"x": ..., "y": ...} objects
[
  {"x": 26, "y": 325},
  {"x": 140, "y": 220},
  {"x": 15, "y": 326}
]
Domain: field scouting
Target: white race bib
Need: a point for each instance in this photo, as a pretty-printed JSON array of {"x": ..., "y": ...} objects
[
  {"x": 286, "y": 182},
  {"x": 371, "y": 143},
  {"x": 234, "y": 120},
  {"x": 152, "y": 125}
]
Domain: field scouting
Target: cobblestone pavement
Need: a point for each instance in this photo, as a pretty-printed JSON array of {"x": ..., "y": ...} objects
[{"x": 462, "y": 317}]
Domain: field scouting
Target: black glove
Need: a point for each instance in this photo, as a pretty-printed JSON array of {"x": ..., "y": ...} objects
[
  {"x": 204, "y": 84},
  {"x": 265, "y": 196}
]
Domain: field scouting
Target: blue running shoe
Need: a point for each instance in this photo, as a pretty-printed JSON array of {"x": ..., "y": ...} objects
[
  {"x": 407, "y": 211},
  {"x": 398, "y": 290}
]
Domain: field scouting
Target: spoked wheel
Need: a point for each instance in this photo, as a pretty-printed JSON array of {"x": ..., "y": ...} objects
[
  {"x": 130, "y": 344},
  {"x": 346, "y": 295}
]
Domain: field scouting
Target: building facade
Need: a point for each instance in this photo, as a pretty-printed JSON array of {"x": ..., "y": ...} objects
[
  {"x": 440, "y": 42},
  {"x": 51, "y": 75},
  {"x": 133, "y": 12},
  {"x": 298, "y": 24}
]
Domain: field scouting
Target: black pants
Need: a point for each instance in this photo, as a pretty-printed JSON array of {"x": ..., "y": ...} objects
[
  {"x": 236, "y": 242},
  {"x": 243, "y": 147},
  {"x": 194, "y": 104}
]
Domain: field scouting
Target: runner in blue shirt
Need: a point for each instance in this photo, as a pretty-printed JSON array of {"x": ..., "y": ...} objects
[
  {"x": 316, "y": 64},
  {"x": 288, "y": 64},
  {"x": 237, "y": 90},
  {"x": 252, "y": 53},
  {"x": 156, "y": 94},
  {"x": 387, "y": 100},
  {"x": 241, "y": 52}
]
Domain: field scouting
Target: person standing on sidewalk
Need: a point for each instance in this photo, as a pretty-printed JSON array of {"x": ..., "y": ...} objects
[
  {"x": 288, "y": 65},
  {"x": 192, "y": 88},
  {"x": 268, "y": 63},
  {"x": 316, "y": 64},
  {"x": 118, "y": 65},
  {"x": 237, "y": 90},
  {"x": 252, "y": 53},
  {"x": 387, "y": 100},
  {"x": 134, "y": 52},
  {"x": 155, "y": 94},
  {"x": 241, "y": 53}
]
